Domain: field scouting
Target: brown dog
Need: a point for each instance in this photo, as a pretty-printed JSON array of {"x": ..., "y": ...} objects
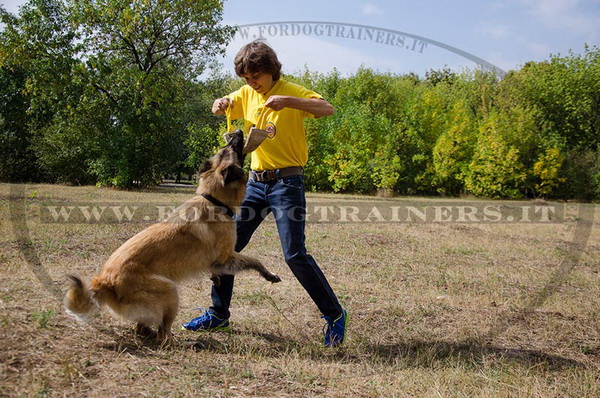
[{"x": 139, "y": 281}]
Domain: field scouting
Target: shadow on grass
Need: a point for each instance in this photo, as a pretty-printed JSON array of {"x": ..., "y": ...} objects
[
  {"x": 413, "y": 353},
  {"x": 418, "y": 354},
  {"x": 409, "y": 354},
  {"x": 441, "y": 353},
  {"x": 427, "y": 354},
  {"x": 149, "y": 346}
]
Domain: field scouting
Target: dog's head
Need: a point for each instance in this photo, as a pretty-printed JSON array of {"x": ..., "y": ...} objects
[{"x": 225, "y": 168}]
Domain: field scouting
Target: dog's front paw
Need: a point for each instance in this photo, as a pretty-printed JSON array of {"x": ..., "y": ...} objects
[
  {"x": 216, "y": 280},
  {"x": 273, "y": 278}
]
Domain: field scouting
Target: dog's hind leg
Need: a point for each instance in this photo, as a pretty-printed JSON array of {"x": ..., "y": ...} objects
[
  {"x": 170, "y": 306},
  {"x": 144, "y": 331},
  {"x": 165, "y": 336},
  {"x": 155, "y": 303}
]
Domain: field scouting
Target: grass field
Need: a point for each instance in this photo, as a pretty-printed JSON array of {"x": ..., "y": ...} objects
[{"x": 438, "y": 309}]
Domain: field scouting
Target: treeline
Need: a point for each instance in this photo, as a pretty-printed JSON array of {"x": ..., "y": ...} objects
[
  {"x": 107, "y": 93},
  {"x": 534, "y": 133}
]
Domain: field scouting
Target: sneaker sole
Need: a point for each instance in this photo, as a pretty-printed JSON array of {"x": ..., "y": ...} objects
[
  {"x": 217, "y": 329},
  {"x": 345, "y": 328}
]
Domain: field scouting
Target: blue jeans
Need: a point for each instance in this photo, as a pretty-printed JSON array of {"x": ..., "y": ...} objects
[{"x": 285, "y": 199}]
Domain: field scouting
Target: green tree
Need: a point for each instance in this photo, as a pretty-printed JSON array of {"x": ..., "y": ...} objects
[
  {"x": 363, "y": 128},
  {"x": 42, "y": 45},
  {"x": 18, "y": 161},
  {"x": 454, "y": 148},
  {"x": 111, "y": 82},
  {"x": 426, "y": 120},
  {"x": 444, "y": 75},
  {"x": 566, "y": 90},
  {"x": 547, "y": 170},
  {"x": 142, "y": 56},
  {"x": 351, "y": 163},
  {"x": 496, "y": 169}
]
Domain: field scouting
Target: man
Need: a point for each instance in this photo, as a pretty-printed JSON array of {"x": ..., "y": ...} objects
[{"x": 276, "y": 182}]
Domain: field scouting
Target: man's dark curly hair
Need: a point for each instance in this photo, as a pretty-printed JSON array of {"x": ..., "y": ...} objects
[{"x": 257, "y": 57}]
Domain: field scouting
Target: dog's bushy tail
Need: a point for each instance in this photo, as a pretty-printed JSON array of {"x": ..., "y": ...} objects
[{"x": 79, "y": 300}]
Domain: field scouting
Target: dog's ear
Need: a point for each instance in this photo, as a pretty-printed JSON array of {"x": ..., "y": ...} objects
[
  {"x": 205, "y": 167},
  {"x": 232, "y": 173}
]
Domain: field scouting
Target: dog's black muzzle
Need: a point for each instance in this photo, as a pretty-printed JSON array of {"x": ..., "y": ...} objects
[{"x": 237, "y": 143}]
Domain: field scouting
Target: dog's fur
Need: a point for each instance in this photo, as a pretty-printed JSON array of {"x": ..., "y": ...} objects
[{"x": 139, "y": 281}]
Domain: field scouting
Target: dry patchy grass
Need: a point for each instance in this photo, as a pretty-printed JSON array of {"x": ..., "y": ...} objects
[{"x": 437, "y": 309}]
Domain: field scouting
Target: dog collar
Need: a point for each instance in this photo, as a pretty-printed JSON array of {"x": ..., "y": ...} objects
[{"x": 218, "y": 203}]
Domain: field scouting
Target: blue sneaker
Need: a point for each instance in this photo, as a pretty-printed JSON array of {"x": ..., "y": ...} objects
[
  {"x": 207, "y": 321},
  {"x": 335, "y": 334}
]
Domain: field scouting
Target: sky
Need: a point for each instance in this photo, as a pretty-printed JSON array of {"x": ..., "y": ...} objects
[{"x": 505, "y": 33}]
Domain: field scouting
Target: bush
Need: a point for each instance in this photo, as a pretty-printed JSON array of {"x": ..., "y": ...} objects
[
  {"x": 581, "y": 173},
  {"x": 496, "y": 169}
]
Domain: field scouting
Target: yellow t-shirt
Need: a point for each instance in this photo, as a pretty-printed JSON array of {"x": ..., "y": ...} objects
[{"x": 286, "y": 144}]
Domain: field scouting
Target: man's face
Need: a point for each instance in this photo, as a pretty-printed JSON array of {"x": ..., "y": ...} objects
[{"x": 259, "y": 81}]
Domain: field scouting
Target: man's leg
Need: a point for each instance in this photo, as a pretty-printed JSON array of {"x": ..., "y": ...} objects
[
  {"x": 252, "y": 214},
  {"x": 288, "y": 204}
]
